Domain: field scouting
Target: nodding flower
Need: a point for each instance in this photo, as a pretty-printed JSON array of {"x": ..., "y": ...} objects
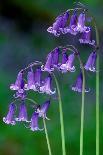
[
  {"x": 55, "y": 59},
  {"x": 64, "y": 57},
  {"x": 79, "y": 84},
  {"x": 90, "y": 64},
  {"x": 72, "y": 28},
  {"x": 30, "y": 81},
  {"x": 59, "y": 24},
  {"x": 34, "y": 122},
  {"x": 19, "y": 84},
  {"x": 68, "y": 66},
  {"x": 86, "y": 37},
  {"x": 81, "y": 23},
  {"x": 46, "y": 87},
  {"x": 48, "y": 65},
  {"x": 22, "y": 113},
  {"x": 9, "y": 119},
  {"x": 37, "y": 77},
  {"x": 42, "y": 110}
]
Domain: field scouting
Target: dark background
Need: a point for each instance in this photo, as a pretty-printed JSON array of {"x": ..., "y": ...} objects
[{"x": 23, "y": 39}]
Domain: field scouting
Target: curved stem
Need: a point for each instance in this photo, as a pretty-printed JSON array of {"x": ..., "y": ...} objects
[
  {"x": 61, "y": 116},
  {"x": 47, "y": 137},
  {"x": 97, "y": 91},
  {"x": 82, "y": 107}
]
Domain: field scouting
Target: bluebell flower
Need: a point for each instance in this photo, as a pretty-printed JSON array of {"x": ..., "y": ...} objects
[
  {"x": 30, "y": 81},
  {"x": 48, "y": 65},
  {"x": 42, "y": 110},
  {"x": 81, "y": 23},
  {"x": 68, "y": 66},
  {"x": 37, "y": 77},
  {"x": 64, "y": 57},
  {"x": 90, "y": 64},
  {"x": 19, "y": 84},
  {"x": 21, "y": 95},
  {"x": 22, "y": 113},
  {"x": 86, "y": 37},
  {"x": 9, "y": 119},
  {"x": 46, "y": 86},
  {"x": 55, "y": 59},
  {"x": 72, "y": 28},
  {"x": 59, "y": 24},
  {"x": 78, "y": 84},
  {"x": 34, "y": 122}
]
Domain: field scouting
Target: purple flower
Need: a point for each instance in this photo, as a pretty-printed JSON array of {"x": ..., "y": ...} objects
[
  {"x": 37, "y": 77},
  {"x": 90, "y": 64},
  {"x": 42, "y": 110},
  {"x": 64, "y": 57},
  {"x": 68, "y": 66},
  {"x": 30, "y": 81},
  {"x": 55, "y": 59},
  {"x": 46, "y": 87},
  {"x": 21, "y": 95},
  {"x": 34, "y": 122},
  {"x": 78, "y": 84},
  {"x": 59, "y": 24},
  {"x": 22, "y": 113},
  {"x": 48, "y": 65},
  {"x": 9, "y": 119},
  {"x": 72, "y": 28},
  {"x": 81, "y": 23},
  {"x": 19, "y": 84},
  {"x": 86, "y": 37}
]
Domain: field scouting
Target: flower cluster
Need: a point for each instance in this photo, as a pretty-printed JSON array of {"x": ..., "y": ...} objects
[{"x": 57, "y": 59}]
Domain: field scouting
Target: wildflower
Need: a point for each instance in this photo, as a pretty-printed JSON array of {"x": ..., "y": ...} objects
[
  {"x": 90, "y": 64},
  {"x": 46, "y": 87},
  {"x": 86, "y": 37},
  {"x": 19, "y": 84},
  {"x": 55, "y": 59},
  {"x": 30, "y": 81},
  {"x": 42, "y": 110},
  {"x": 81, "y": 23},
  {"x": 21, "y": 95},
  {"x": 72, "y": 28},
  {"x": 48, "y": 65},
  {"x": 78, "y": 84},
  {"x": 9, "y": 119},
  {"x": 68, "y": 66},
  {"x": 34, "y": 122},
  {"x": 37, "y": 77},
  {"x": 22, "y": 113},
  {"x": 59, "y": 24}
]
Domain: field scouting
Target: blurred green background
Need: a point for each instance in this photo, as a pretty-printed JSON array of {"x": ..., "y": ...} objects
[{"x": 23, "y": 39}]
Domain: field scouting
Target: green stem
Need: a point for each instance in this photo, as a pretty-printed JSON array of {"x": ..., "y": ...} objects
[
  {"x": 61, "y": 116},
  {"x": 82, "y": 107},
  {"x": 47, "y": 137},
  {"x": 97, "y": 91}
]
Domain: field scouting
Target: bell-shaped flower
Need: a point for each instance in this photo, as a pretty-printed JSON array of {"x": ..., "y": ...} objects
[
  {"x": 37, "y": 77},
  {"x": 59, "y": 24},
  {"x": 90, "y": 64},
  {"x": 22, "y": 113},
  {"x": 81, "y": 23},
  {"x": 86, "y": 37},
  {"x": 19, "y": 84},
  {"x": 46, "y": 86},
  {"x": 79, "y": 84},
  {"x": 9, "y": 119},
  {"x": 48, "y": 65},
  {"x": 42, "y": 110},
  {"x": 68, "y": 66},
  {"x": 34, "y": 122},
  {"x": 55, "y": 59}
]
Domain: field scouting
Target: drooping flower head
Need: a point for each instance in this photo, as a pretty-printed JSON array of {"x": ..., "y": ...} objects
[
  {"x": 55, "y": 59},
  {"x": 42, "y": 110},
  {"x": 48, "y": 65},
  {"x": 68, "y": 66},
  {"x": 37, "y": 77},
  {"x": 64, "y": 57},
  {"x": 34, "y": 122},
  {"x": 59, "y": 24},
  {"x": 19, "y": 84},
  {"x": 9, "y": 119},
  {"x": 46, "y": 87},
  {"x": 78, "y": 84},
  {"x": 22, "y": 113},
  {"x": 86, "y": 37},
  {"x": 81, "y": 23},
  {"x": 90, "y": 64}
]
